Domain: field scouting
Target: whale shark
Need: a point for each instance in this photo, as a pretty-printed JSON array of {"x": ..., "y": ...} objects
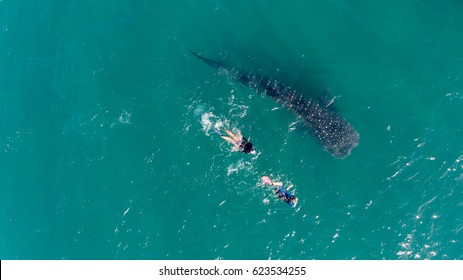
[{"x": 327, "y": 126}]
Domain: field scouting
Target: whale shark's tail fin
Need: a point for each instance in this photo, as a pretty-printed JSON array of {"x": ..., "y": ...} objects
[{"x": 208, "y": 61}]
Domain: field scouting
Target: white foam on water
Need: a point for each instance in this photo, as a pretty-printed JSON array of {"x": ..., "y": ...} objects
[
  {"x": 124, "y": 118},
  {"x": 237, "y": 110},
  {"x": 206, "y": 122},
  {"x": 209, "y": 122}
]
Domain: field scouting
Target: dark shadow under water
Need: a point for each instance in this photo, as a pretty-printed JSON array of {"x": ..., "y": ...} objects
[{"x": 327, "y": 126}]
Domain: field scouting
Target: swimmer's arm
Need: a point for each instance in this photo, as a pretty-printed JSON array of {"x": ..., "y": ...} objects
[
  {"x": 278, "y": 184},
  {"x": 290, "y": 186}
]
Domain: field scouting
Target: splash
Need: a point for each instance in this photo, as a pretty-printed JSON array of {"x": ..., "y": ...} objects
[
  {"x": 210, "y": 122},
  {"x": 124, "y": 118},
  {"x": 206, "y": 122}
]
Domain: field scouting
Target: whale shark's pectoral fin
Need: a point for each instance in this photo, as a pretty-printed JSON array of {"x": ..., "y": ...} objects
[{"x": 327, "y": 100}]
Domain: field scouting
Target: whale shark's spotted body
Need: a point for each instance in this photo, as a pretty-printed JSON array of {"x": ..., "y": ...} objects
[{"x": 332, "y": 131}]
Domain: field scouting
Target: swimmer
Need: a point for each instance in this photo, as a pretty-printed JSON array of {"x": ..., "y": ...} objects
[
  {"x": 240, "y": 143},
  {"x": 281, "y": 193}
]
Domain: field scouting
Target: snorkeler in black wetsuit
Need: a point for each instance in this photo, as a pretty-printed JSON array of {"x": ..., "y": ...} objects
[
  {"x": 246, "y": 147},
  {"x": 240, "y": 143}
]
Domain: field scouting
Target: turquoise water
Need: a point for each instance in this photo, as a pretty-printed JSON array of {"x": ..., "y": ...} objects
[{"x": 107, "y": 150}]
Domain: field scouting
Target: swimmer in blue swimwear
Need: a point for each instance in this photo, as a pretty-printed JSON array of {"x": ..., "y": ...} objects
[
  {"x": 281, "y": 192},
  {"x": 239, "y": 142}
]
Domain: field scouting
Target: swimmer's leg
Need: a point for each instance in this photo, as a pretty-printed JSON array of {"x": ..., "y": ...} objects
[
  {"x": 228, "y": 139},
  {"x": 235, "y": 148},
  {"x": 236, "y": 138},
  {"x": 294, "y": 201}
]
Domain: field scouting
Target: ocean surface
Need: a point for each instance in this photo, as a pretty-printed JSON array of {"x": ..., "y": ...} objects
[{"x": 108, "y": 150}]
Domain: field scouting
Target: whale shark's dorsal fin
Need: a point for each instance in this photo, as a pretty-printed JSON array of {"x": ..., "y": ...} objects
[{"x": 208, "y": 61}]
